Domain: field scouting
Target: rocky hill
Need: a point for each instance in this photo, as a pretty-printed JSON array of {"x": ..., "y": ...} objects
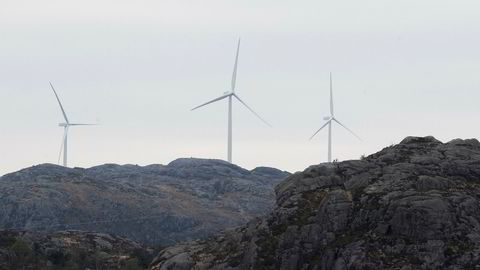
[
  {"x": 415, "y": 205},
  {"x": 184, "y": 200},
  {"x": 70, "y": 250}
]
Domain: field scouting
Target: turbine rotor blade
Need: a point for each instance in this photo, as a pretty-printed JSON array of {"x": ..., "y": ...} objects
[
  {"x": 59, "y": 103},
  {"x": 331, "y": 95},
  {"x": 251, "y": 110},
  {"x": 324, "y": 125},
  {"x": 234, "y": 75},
  {"x": 353, "y": 133},
  {"x": 212, "y": 101},
  {"x": 83, "y": 124}
]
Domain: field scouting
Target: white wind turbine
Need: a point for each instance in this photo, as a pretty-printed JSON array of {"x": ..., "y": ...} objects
[
  {"x": 230, "y": 95},
  {"x": 329, "y": 120},
  {"x": 66, "y": 125}
]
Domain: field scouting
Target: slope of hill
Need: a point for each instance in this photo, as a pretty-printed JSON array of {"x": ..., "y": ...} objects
[
  {"x": 184, "y": 200},
  {"x": 70, "y": 250},
  {"x": 415, "y": 205}
]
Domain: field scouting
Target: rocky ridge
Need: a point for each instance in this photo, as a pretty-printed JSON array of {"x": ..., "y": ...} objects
[
  {"x": 415, "y": 205},
  {"x": 155, "y": 205}
]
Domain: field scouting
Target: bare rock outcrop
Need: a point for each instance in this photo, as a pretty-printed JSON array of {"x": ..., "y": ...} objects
[
  {"x": 415, "y": 205},
  {"x": 155, "y": 205}
]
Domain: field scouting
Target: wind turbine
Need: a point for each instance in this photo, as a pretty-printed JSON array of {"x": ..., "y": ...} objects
[
  {"x": 231, "y": 95},
  {"x": 329, "y": 119},
  {"x": 66, "y": 125}
]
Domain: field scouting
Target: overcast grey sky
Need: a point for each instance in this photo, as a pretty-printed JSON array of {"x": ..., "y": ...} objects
[{"x": 137, "y": 67}]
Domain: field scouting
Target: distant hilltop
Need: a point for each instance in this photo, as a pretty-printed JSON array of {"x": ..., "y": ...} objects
[{"x": 156, "y": 204}]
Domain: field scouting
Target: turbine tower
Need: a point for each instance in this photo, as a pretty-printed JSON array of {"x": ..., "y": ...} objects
[
  {"x": 329, "y": 119},
  {"x": 66, "y": 125},
  {"x": 231, "y": 95}
]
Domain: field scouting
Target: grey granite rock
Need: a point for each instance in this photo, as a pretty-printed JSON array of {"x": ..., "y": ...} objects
[
  {"x": 156, "y": 204},
  {"x": 415, "y": 205}
]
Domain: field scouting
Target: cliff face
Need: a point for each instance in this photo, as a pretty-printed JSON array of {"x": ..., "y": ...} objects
[
  {"x": 415, "y": 205},
  {"x": 156, "y": 204}
]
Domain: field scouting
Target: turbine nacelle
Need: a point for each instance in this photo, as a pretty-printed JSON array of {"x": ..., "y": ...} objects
[
  {"x": 63, "y": 125},
  {"x": 326, "y": 118}
]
